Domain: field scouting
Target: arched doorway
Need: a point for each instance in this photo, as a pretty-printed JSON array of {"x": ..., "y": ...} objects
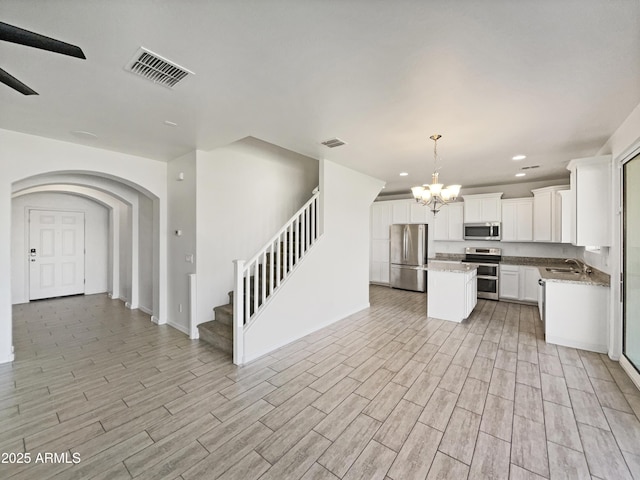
[{"x": 131, "y": 231}]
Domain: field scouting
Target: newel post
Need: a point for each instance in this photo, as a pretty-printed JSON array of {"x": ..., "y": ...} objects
[{"x": 238, "y": 312}]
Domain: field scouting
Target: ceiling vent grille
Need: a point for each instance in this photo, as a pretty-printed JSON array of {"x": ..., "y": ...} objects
[
  {"x": 159, "y": 70},
  {"x": 333, "y": 143}
]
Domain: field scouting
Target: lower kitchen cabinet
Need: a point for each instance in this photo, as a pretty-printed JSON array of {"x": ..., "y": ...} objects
[
  {"x": 451, "y": 295},
  {"x": 519, "y": 283},
  {"x": 576, "y": 315}
]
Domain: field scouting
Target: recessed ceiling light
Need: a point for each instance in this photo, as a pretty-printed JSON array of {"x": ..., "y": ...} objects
[
  {"x": 169, "y": 123},
  {"x": 521, "y": 174},
  {"x": 519, "y": 157},
  {"x": 84, "y": 134},
  {"x": 403, "y": 174}
]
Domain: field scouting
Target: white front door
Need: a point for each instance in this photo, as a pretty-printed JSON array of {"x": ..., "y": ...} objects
[{"x": 56, "y": 253}]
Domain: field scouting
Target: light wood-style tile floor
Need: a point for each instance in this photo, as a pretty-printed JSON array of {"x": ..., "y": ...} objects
[{"x": 385, "y": 393}]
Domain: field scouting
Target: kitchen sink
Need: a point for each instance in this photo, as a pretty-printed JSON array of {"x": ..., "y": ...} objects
[{"x": 562, "y": 270}]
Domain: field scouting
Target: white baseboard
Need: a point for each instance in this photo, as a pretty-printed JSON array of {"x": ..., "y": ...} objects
[
  {"x": 8, "y": 359},
  {"x": 145, "y": 310},
  {"x": 631, "y": 371},
  {"x": 179, "y": 327},
  {"x": 591, "y": 347},
  {"x": 264, "y": 351}
]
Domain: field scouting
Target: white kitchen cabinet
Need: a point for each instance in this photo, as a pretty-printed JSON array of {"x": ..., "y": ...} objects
[
  {"x": 517, "y": 220},
  {"x": 451, "y": 295},
  {"x": 547, "y": 214},
  {"x": 529, "y": 277},
  {"x": 448, "y": 223},
  {"x": 471, "y": 293},
  {"x": 519, "y": 282},
  {"x": 418, "y": 213},
  {"x": 576, "y": 315},
  {"x": 591, "y": 195},
  {"x": 566, "y": 200},
  {"x": 509, "y": 282},
  {"x": 481, "y": 208},
  {"x": 401, "y": 211}
]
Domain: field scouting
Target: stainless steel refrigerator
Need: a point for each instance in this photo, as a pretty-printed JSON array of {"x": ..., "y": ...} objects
[{"x": 408, "y": 252}]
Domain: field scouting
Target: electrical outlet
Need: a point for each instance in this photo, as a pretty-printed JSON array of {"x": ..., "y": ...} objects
[{"x": 188, "y": 258}]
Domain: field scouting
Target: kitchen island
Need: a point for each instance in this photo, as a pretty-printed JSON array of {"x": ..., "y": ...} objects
[{"x": 451, "y": 290}]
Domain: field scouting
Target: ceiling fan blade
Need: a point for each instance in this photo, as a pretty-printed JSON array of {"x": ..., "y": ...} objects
[
  {"x": 16, "y": 84},
  {"x": 10, "y": 33}
]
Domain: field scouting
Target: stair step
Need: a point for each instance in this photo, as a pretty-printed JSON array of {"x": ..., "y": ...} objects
[
  {"x": 217, "y": 335},
  {"x": 224, "y": 314}
]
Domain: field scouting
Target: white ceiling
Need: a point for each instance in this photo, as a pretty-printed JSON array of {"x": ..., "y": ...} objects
[{"x": 552, "y": 79}]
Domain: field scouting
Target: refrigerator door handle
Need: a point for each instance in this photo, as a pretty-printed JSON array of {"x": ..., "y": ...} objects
[{"x": 405, "y": 247}]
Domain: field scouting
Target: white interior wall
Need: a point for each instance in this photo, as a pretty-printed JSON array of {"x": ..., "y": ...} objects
[
  {"x": 145, "y": 254},
  {"x": 623, "y": 144},
  {"x": 332, "y": 282},
  {"x": 246, "y": 191},
  {"x": 125, "y": 249},
  {"x": 25, "y": 156},
  {"x": 96, "y": 240},
  {"x": 182, "y": 216}
]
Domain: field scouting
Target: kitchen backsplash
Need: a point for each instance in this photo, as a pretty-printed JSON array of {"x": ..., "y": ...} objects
[{"x": 510, "y": 249}]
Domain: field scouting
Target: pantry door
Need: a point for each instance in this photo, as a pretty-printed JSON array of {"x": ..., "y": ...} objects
[
  {"x": 56, "y": 253},
  {"x": 631, "y": 259}
]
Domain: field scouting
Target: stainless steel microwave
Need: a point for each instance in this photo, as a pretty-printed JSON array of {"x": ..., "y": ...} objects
[{"x": 482, "y": 231}]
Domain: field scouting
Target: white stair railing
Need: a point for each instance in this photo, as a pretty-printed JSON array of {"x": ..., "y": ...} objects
[{"x": 257, "y": 279}]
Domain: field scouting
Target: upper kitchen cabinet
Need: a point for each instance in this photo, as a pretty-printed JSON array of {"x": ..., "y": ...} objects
[
  {"x": 418, "y": 213},
  {"x": 517, "y": 220},
  {"x": 448, "y": 223},
  {"x": 591, "y": 195},
  {"x": 567, "y": 215},
  {"x": 481, "y": 208},
  {"x": 547, "y": 214},
  {"x": 401, "y": 211}
]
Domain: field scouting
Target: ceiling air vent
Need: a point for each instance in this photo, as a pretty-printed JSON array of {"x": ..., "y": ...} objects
[
  {"x": 333, "y": 143},
  {"x": 532, "y": 166},
  {"x": 153, "y": 67}
]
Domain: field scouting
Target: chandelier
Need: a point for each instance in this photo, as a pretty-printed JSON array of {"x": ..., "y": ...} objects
[{"x": 434, "y": 195}]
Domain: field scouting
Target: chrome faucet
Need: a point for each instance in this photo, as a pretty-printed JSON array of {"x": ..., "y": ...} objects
[
  {"x": 586, "y": 269},
  {"x": 569, "y": 260}
]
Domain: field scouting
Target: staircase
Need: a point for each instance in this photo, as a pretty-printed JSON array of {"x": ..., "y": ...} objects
[
  {"x": 219, "y": 332},
  {"x": 259, "y": 278}
]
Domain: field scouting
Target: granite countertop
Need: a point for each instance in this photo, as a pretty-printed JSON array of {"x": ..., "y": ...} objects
[
  {"x": 597, "y": 277},
  {"x": 435, "y": 266}
]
